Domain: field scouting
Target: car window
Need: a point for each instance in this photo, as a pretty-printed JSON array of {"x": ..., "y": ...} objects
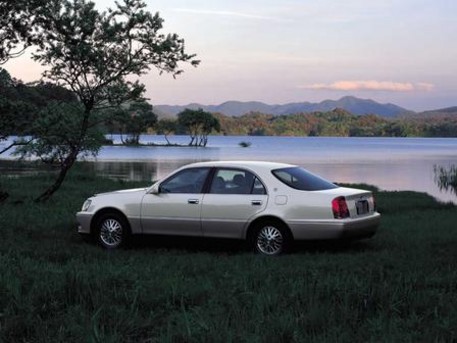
[
  {"x": 258, "y": 187},
  {"x": 235, "y": 181},
  {"x": 302, "y": 179},
  {"x": 186, "y": 181}
]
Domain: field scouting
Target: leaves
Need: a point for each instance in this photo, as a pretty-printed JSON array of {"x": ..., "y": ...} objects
[
  {"x": 18, "y": 25},
  {"x": 90, "y": 51}
]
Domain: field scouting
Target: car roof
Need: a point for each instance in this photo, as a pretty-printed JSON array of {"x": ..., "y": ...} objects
[{"x": 254, "y": 165}]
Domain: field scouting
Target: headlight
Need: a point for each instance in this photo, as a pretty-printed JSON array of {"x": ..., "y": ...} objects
[{"x": 86, "y": 205}]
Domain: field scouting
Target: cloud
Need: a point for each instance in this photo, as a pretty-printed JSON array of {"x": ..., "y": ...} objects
[
  {"x": 371, "y": 85},
  {"x": 227, "y": 14}
]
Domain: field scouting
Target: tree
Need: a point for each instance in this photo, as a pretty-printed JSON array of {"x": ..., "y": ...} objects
[
  {"x": 135, "y": 120},
  {"x": 92, "y": 53},
  {"x": 166, "y": 127},
  {"x": 198, "y": 124},
  {"x": 209, "y": 123}
]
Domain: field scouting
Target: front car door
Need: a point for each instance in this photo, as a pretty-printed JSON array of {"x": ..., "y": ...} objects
[
  {"x": 234, "y": 197},
  {"x": 176, "y": 209}
]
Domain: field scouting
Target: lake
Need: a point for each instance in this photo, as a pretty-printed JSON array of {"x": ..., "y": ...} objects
[{"x": 389, "y": 163}]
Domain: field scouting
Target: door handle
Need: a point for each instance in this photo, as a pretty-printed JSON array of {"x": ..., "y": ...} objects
[
  {"x": 256, "y": 202},
  {"x": 192, "y": 201}
]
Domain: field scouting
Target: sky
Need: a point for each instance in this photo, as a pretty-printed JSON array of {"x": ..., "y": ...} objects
[{"x": 392, "y": 51}]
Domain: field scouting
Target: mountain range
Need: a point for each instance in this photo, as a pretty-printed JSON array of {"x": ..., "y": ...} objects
[{"x": 237, "y": 108}]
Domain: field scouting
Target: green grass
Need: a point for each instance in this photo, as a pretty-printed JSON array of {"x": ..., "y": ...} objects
[{"x": 399, "y": 286}]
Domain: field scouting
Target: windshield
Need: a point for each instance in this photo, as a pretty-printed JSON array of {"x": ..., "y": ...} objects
[{"x": 302, "y": 179}]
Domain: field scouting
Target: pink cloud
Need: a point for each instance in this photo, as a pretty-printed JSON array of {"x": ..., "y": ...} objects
[{"x": 371, "y": 85}]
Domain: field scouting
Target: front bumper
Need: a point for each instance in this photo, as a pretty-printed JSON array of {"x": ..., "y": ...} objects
[{"x": 84, "y": 220}]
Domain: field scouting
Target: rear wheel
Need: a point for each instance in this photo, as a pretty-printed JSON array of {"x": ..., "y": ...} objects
[
  {"x": 112, "y": 230},
  {"x": 271, "y": 238}
]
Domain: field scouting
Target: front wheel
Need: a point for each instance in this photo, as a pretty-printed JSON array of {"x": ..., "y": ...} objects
[
  {"x": 271, "y": 238},
  {"x": 112, "y": 230}
]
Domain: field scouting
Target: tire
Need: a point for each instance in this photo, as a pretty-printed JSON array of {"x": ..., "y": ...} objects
[
  {"x": 271, "y": 238},
  {"x": 112, "y": 231}
]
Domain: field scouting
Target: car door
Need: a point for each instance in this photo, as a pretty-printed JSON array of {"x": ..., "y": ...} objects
[
  {"x": 176, "y": 208},
  {"x": 234, "y": 197}
]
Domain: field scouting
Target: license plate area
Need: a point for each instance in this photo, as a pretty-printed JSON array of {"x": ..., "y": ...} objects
[{"x": 362, "y": 207}]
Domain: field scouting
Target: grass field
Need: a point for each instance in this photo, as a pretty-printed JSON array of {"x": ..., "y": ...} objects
[{"x": 399, "y": 286}]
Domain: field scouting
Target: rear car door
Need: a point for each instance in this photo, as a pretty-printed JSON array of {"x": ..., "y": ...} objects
[{"x": 233, "y": 198}]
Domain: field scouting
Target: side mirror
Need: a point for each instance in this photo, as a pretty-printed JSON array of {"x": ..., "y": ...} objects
[{"x": 155, "y": 189}]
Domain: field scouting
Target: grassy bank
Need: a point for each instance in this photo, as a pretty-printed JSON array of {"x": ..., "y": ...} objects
[{"x": 399, "y": 286}]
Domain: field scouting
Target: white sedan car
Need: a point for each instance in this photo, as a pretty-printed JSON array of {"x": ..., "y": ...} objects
[{"x": 268, "y": 204}]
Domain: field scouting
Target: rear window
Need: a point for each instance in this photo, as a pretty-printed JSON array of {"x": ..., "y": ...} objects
[{"x": 302, "y": 179}]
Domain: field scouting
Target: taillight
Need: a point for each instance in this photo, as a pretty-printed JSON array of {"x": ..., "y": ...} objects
[{"x": 340, "y": 208}]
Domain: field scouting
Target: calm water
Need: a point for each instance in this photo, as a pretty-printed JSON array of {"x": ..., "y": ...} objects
[{"x": 389, "y": 163}]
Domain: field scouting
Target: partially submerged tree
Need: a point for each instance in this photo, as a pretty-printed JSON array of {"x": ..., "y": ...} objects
[
  {"x": 199, "y": 124},
  {"x": 135, "y": 120},
  {"x": 166, "y": 126},
  {"x": 92, "y": 54}
]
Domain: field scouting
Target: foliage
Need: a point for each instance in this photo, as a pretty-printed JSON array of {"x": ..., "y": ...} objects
[
  {"x": 92, "y": 53},
  {"x": 199, "y": 124},
  {"x": 338, "y": 123},
  {"x": 20, "y": 104},
  {"x": 14, "y": 112},
  {"x": 17, "y": 24},
  {"x": 398, "y": 286}
]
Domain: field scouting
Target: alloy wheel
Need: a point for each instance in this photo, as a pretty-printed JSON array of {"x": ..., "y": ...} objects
[
  {"x": 111, "y": 233},
  {"x": 270, "y": 240}
]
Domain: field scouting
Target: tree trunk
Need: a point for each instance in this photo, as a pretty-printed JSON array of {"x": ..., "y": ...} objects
[
  {"x": 64, "y": 168},
  {"x": 66, "y": 165}
]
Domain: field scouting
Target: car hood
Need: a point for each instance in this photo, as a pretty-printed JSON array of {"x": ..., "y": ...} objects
[{"x": 123, "y": 191}]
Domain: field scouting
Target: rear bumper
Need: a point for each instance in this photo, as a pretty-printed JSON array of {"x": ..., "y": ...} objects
[{"x": 364, "y": 227}]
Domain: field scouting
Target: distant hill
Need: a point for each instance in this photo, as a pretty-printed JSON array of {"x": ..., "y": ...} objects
[
  {"x": 447, "y": 112},
  {"x": 237, "y": 108}
]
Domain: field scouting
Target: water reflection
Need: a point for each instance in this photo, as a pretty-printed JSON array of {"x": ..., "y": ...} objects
[{"x": 135, "y": 170}]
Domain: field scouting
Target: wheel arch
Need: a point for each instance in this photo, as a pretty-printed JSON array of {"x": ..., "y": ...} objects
[
  {"x": 103, "y": 211},
  {"x": 269, "y": 218}
]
